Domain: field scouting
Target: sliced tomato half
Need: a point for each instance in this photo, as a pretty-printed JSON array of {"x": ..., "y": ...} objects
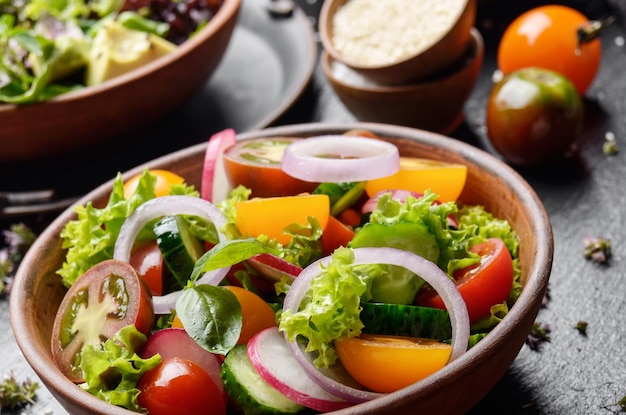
[{"x": 109, "y": 296}]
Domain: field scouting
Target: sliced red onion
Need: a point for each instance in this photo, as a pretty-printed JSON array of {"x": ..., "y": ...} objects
[
  {"x": 340, "y": 158},
  {"x": 427, "y": 270},
  {"x": 167, "y": 206},
  {"x": 214, "y": 187}
]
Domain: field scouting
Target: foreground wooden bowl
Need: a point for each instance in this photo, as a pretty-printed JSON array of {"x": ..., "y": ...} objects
[
  {"x": 85, "y": 117},
  {"x": 435, "y": 104},
  {"x": 37, "y": 290},
  {"x": 441, "y": 51}
]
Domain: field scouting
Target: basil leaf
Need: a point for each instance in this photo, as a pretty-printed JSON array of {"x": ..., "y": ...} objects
[
  {"x": 228, "y": 253},
  {"x": 211, "y": 316}
]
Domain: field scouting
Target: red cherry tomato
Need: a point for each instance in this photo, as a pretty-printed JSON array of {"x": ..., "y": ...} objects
[
  {"x": 546, "y": 37},
  {"x": 481, "y": 286},
  {"x": 179, "y": 386},
  {"x": 109, "y": 296},
  {"x": 148, "y": 261}
]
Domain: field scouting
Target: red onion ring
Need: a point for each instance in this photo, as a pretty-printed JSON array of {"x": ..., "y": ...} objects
[
  {"x": 429, "y": 271},
  {"x": 340, "y": 158},
  {"x": 214, "y": 186},
  {"x": 167, "y": 206}
]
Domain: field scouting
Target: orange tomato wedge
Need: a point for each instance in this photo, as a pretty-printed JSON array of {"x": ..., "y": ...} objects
[
  {"x": 388, "y": 363},
  {"x": 255, "y": 312},
  {"x": 445, "y": 179},
  {"x": 269, "y": 216}
]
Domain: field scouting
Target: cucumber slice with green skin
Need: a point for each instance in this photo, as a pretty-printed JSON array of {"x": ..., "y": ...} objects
[
  {"x": 180, "y": 249},
  {"x": 249, "y": 392},
  {"x": 406, "y": 320}
]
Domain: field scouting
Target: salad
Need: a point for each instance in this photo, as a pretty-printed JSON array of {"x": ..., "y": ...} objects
[
  {"x": 48, "y": 48},
  {"x": 347, "y": 283}
]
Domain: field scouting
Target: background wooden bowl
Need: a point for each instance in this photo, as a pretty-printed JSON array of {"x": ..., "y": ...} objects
[
  {"x": 85, "y": 117},
  {"x": 37, "y": 290},
  {"x": 435, "y": 104},
  {"x": 440, "y": 53}
]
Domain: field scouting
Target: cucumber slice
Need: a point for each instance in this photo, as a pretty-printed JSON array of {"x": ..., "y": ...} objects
[
  {"x": 180, "y": 249},
  {"x": 406, "y": 320},
  {"x": 247, "y": 389}
]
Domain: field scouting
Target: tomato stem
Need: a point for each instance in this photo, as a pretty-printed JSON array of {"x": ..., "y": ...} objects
[{"x": 590, "y": 31}]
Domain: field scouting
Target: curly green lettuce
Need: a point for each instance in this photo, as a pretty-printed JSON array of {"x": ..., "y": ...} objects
[
  {"x": 321, "y": 321},
  {"x": 91, "y": 237},
  {"x": 112, "y": 368}
]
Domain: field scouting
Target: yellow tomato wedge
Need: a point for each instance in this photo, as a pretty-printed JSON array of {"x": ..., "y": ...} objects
[
  {"x": 388, "y": 363},
  {"x": 418, "y": 175},
  {"x": 269, "y": 216},
  {"x": 165, "y": 180}
]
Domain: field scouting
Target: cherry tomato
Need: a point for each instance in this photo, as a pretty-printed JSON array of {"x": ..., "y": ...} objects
[
  {"x": 546, "y": 37},
  {"x": 481, "y": 286},
  {"x": 179, "y": 386},
  {"x": 445, "y": 179},
  {"x": 109, "y": 296},
  {"x": 533, "y": 116},
  {"x": 165, "y": 180},
  {"x": 255, "y": 312},
  {"x": 255, "y": 164},
  {"x": 271, "y": 215},
  {"x": 388, "y": 363},
  {"x": 148, "y": 261}
]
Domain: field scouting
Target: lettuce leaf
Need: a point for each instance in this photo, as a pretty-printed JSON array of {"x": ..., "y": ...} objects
[
  {"x": 112, "y": 368},
  {"x": 331, "y": 308},
  {"x": 91, "y": 237}
]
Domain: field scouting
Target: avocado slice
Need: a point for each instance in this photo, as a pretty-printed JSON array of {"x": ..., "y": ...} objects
[{"x": 117, "y": 50}]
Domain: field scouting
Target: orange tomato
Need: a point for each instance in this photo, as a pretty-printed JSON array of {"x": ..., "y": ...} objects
[
  {"x": 269, "y": 216},
  {"x": 546, "y": 37},
  {"x": 165, "y": 180},
  {"x": 256, "y": 314},
  {"x": 417, "y": 175},
  {"x": 388, "y": 363}
]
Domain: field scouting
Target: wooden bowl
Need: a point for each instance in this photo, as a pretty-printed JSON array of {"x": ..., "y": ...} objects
[
  {"x": 435, "y": 104},
  {"x": 37, "y": 290},
  {"x": 79, "y": 119},
  {"x": 442, "y": 50}
]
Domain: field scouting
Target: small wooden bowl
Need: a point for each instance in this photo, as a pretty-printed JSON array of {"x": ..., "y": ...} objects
[
  {"x": 80, "y": 119},
  {"x": 440, "y": 52},
  {"x": 37, "y": 290},
  {"x": 435, "y": 104}
]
